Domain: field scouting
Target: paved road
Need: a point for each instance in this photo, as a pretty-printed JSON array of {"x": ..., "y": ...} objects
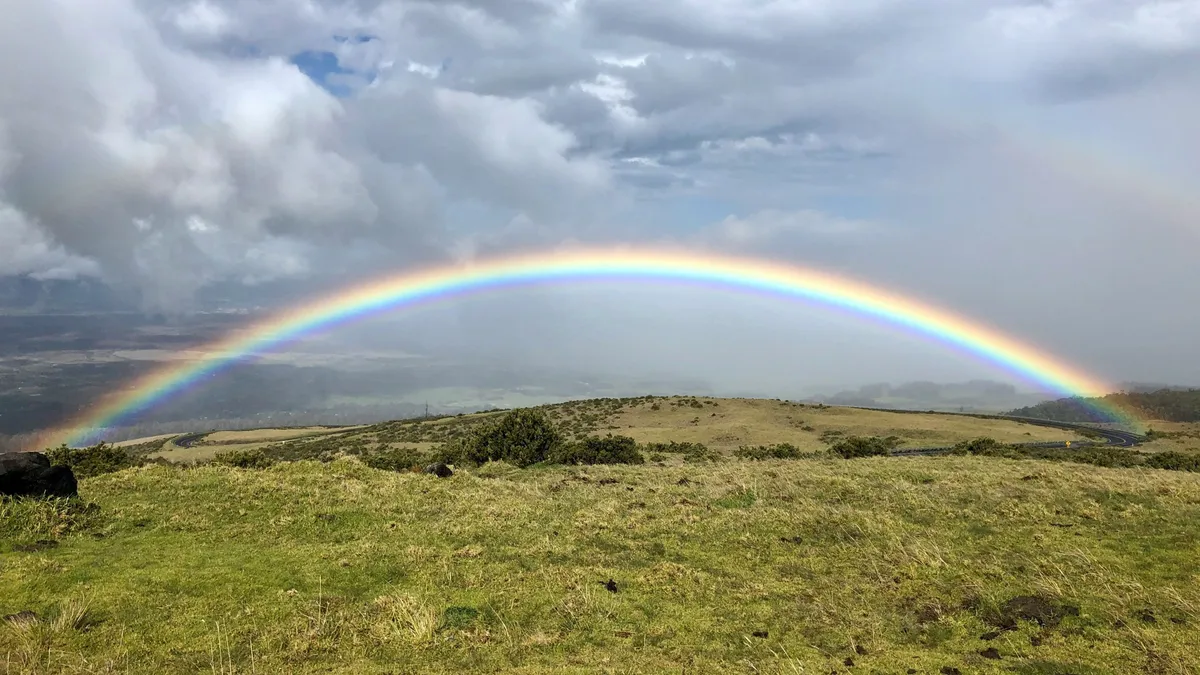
[
  {"x": 188, "y": 440},
  {"x": 1111, "y": 437}
]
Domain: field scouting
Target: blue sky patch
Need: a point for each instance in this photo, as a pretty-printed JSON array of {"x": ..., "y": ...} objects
[{"x": 319, "y": 66}]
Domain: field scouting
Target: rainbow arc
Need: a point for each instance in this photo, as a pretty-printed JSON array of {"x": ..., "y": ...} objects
[{"x": 444, "y": 283}]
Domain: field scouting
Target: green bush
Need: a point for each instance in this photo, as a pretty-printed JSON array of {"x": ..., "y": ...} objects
[
  {"x": 692, "y": 452},
  {"x": 1112, "y": 457},
  {"x": 401, "y": 459},
  {"x": 1175, "y": 461},
  {"x": 851, "y": 447},
  {"x": 244, "y": 459},
  {"x": 522, "y": 437},
  {"x": 777, "y": 451},
  {"x": 93, "y": 460},
  {"x": 596, "y": 450},
  {"x": 983, "y": 446}
]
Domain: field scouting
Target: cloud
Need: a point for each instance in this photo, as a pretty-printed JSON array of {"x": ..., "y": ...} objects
[{"x": 964, "y": 152}]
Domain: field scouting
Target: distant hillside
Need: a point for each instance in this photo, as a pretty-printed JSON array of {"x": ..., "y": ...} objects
[
  {"x": 722, "y": 425},
  {"x": 974, "y": 396},
  {"x": 1171, "y": 405}
]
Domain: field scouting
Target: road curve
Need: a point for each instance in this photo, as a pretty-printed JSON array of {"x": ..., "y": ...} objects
[{"x": 1112, "y": 437}]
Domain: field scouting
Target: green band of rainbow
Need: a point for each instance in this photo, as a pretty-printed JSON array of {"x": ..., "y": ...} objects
[{"x": 445, "y": 282}]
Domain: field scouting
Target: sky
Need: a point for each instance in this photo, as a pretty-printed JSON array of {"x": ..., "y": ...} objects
[{"x": 1031, "y": 164}]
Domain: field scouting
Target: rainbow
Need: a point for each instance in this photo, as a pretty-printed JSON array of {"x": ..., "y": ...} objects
[{"x": 440, "y": 283}]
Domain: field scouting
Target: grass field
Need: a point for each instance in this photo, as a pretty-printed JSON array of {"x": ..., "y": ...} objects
[
  {"x": 1177, "y": 436},
  {"x": 721, "y": 424},
  {"x": 800, "y": 566},
  {"x": 813, "y": 565}
]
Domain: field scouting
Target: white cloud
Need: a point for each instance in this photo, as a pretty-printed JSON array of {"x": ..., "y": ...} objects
[{"x": 936, "y": 145}]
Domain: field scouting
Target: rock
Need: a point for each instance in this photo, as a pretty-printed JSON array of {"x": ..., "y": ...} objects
[
  {"x": 439, "y": 469},
  {"x": 990, "y": 653},
  {"x": 24, "y": 618},
  {"x": 29, "y": 474}
]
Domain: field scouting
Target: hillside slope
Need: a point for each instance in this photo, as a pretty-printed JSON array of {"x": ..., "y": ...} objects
[
  {"x": 968, "y": 565},
  {"x": 721, "y": 424},
  {"x": 1168, "y": 405}
]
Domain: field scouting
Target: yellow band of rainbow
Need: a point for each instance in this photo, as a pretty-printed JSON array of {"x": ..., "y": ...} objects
[{"x": 444, "y": 282}]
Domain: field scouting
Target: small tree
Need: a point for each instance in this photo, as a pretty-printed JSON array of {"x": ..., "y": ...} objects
[
  {"x": 93, "y": 460},
  {"x": 595, "y": 450},
  {"x": 244, "y": 459},
  {"x": 522, "y": 437},
  {"x": 860, "y": 446}
]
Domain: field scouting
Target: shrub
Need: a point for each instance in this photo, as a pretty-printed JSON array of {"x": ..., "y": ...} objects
[
  {"x": 692, "y": 452},
  {"x": 1175, "y": 461},
  {"x": 982, "y": 446},
  {"x": 522, "y": 437},
  {"x": 595, "y": 450},
  {"x": 777, "y": 451},
  {"x": 860, "y": 446},
  {"x": 94, "y": 460},
  {"x": 243, "y": 459},
  {"x": 400, "y": 459}
]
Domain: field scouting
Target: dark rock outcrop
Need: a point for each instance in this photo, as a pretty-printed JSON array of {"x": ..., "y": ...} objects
[
  {"x": 29, "y": 474},
  {"x": 439, "y": 469}
]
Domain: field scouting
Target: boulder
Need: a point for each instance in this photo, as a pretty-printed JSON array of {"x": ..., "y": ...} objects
[
  {"x": 29, "y": 474},
  {"x": 439, "y": 469}
]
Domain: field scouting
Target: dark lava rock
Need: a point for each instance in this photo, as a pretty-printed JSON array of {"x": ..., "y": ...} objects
[
  {"x": 860, "y": 650},
  {"x": 29, "y": 474},
  {"x": 439, "y": 469},
  {"x": 950, "y": 670},
  {"x": 39, "y": 545},
  {"x": 22, "y": 617},
  {"x": 849, "y": 662},
  {"x": 1147, "y": 616},
  {"x": 610, "y": 586},
  {"x": 911, "y": 671},
  {"x": 760, "y": 634},
  {"x": 990, "y": 653}
]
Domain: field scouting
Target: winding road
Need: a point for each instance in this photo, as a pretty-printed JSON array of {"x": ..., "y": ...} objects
[{"x": 1111, "y": 437}]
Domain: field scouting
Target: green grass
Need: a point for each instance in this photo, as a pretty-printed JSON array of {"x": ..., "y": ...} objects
[{"x": 772, "y": 566}]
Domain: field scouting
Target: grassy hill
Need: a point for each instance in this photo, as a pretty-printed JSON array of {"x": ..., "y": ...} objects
[
  {"x": 808, "y": 565},
  {"x": 719, "y": 423},
  {"x": 1170, "y": 405}
]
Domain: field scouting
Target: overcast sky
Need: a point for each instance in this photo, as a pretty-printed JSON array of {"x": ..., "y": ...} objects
[{"x": 1030, "y": 163}]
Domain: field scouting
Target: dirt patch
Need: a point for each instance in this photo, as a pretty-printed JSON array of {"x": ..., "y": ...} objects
[
  {"x": 39, "y": 545},
  {"x": 1047, "y": 612}
]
